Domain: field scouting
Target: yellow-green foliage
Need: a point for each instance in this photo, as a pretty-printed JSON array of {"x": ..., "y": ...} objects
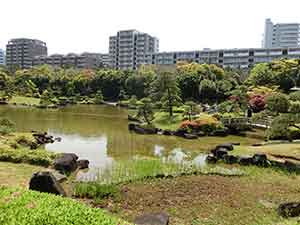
[
  {"x": 18, "y": 100},
  {"x": 19, "y": 207}
]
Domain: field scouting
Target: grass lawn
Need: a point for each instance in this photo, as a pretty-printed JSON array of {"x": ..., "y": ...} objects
[
  {"x": 16, "y": 175},
  {"x": 163, "y": 121},
  {"x": 289, "y": 149},
  {"x": 24, "y": 100}
]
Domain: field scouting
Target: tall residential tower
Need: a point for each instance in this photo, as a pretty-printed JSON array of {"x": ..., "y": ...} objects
[
  {"x": 281, "y": 35},
  {"x": 20, "y": 52},
  {"x": 129, "y": 49},
  {"x": 2, "y": 57}
]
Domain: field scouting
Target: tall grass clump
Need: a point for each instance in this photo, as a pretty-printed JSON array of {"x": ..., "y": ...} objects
[{"x": 6, "y": 126}]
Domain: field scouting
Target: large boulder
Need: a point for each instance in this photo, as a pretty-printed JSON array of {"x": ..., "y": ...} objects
[
  {"x": 245, "y": 161},
  {"x": 167, "y": 132},
  {"x": 46, "y": 182},
  {"x": 292, "y": 167},
  {"x": 66, "y": 163},
  {"x": 83, "y": 164},
  {"x": 260, "y": 159},
  {"x": 180, "y": 133},
  {"x": 291, "y": 209},
  {"x": 228, "y": 146},
  {"x": 141, "y": 130},
  {"x": 219, "y": 153},
  {"x": 230, "y": 159},
  {"x": 152, "y": 219},
  {"x": 211, "y": 159},
  {"x": 190, "y": 136}
]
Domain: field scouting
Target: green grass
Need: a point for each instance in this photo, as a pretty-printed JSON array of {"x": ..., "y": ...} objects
[
  {"x": 94, "y": 190},
  {"x": 20, "y": 100},
  {"x": 19, "y": 207},
  {"x": 16, "y": 175},
  {"x": 164, "y": 121},
  {"x": 142, "y": 169}
]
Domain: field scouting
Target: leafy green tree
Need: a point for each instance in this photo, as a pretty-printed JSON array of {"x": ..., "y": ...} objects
[
  {"x": 165, "y": 89},
  {"x": 294, "y": 107},
  {"x": 145, "y": 110},
  {"x": 278, "y": 103},
  {"x": 191, "y": 108},
  {"x": 207, "y": 90},
  {"x": 261, "y": 75},
  {"x": 46, "y": 98},
  {"x": 240, "y": 96},
  {"x": 294, "y": 96}
]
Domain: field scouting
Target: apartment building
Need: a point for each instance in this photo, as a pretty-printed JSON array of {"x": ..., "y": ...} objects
[
  {"x": 281, "y": 35},
  {"x": 2, "y": 57},
  {"x": 81, "y": 61},
  {"x": 234, "y": 58},
  {"x": 129, "y": 48},
  {"x": 20, "y": 52}
]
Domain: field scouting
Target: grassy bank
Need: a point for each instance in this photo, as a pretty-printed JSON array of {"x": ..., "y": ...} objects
[
  {"x": 15, "y": 147},
  {"x": 21, "y": 100},
  {"x": 16, "y": 175},
  {"x": 28, "y": 207}
]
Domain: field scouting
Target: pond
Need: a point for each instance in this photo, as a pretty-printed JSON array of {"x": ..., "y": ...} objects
[{"x": 100, "y": 134}]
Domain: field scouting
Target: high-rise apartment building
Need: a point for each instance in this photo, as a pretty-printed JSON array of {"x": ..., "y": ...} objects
[
  {"x": 129, "y": 48},
  {"x": 281, "y": 35},
  {"x": 2, "y": 57},
  {"x": 20, "y": 52},
  {"x": 83, "y": 61}
]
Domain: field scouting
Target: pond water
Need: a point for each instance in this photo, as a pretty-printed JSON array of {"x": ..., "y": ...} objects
[{"x": 100, "y": 134}]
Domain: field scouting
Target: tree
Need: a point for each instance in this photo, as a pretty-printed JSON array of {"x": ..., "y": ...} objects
[
  {"x": 261, "y": 75},
  {"x": 278, "y": 103},
  {"x": 191, "y": 108},
  {"x": 294, "y": 96},
  {"x": 145, "y": 110},
  {"x": 165, "y": 89},
  {"x": 240, "y": 96},
  {"x": 207, "y": 90},
  {"x": 98, "y": 97},
  {"x": 46, "y": 98}
]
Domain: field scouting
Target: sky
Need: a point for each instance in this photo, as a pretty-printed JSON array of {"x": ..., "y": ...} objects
[{"x": 181, "y": 25}]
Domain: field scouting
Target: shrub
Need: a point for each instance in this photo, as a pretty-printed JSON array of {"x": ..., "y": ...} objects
[
  {"x": 257, "y": 103},
  {"x": 294, "y": 133},
  {"x": 294, "y": 107},
  {"x": 6, "y": 126},
  {"x": 278, "y": 103},
  {"x": 30, "y": 207},
  {"x": 34, "y": 157},
  {"x": 294, "y": 96},
  {"x": 228, "y": 106}
]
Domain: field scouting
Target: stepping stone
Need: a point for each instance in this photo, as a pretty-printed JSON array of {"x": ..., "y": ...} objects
[{"x": 152, "y": 219}]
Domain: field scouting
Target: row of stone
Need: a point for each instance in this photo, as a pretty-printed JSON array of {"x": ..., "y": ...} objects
[
  {"x": 221, "y": 152},
  {"x": 49, "y": 182}
]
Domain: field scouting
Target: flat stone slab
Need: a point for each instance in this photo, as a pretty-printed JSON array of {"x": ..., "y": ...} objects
[
  {"x": 152, "y": 219},
  {"x": 59, "y": 177}
]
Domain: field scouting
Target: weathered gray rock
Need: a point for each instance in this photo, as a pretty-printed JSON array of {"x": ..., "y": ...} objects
[
  {"x": 219, "y": 153},
  {"x": 190, "y": 136},
  {"x": 230, "y": 159},
  {"x": 260, "y": 159},
  {"x": 59, "y": 177},
  {"x": 180, "y": 132},
  {"x": 245, "y": 161},
  {"x": 141, "y": 130},
  {"x": 291, "y": 209},
  {"x": 152, "y": 219},
  {"x": 83, "y": 164},
  {"x": 227, "y": 146},
  {"x": 66, "y": 163},
  {"x": 46, "y": 182},
  {"x": 292, "y": 167},
  {"x": 211, "y": 159},
  {"x": 167, "y": 132}
]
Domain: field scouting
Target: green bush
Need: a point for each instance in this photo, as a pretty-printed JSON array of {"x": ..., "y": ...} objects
[
  {"x": 19, "y": 207},
  {"x": 294, "y": 96},
  {"x": 34, "y": 157},
  {"x": 295, "y": 107},
  {"x": 6, "y": 126},
  {"x": 294, "y": 133},
  {"x": 94, "y": 190},
  {"x": 278, "y": 103}
]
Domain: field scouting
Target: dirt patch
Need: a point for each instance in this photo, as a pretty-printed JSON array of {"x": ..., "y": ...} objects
[{"x": 203, "y": 200}]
